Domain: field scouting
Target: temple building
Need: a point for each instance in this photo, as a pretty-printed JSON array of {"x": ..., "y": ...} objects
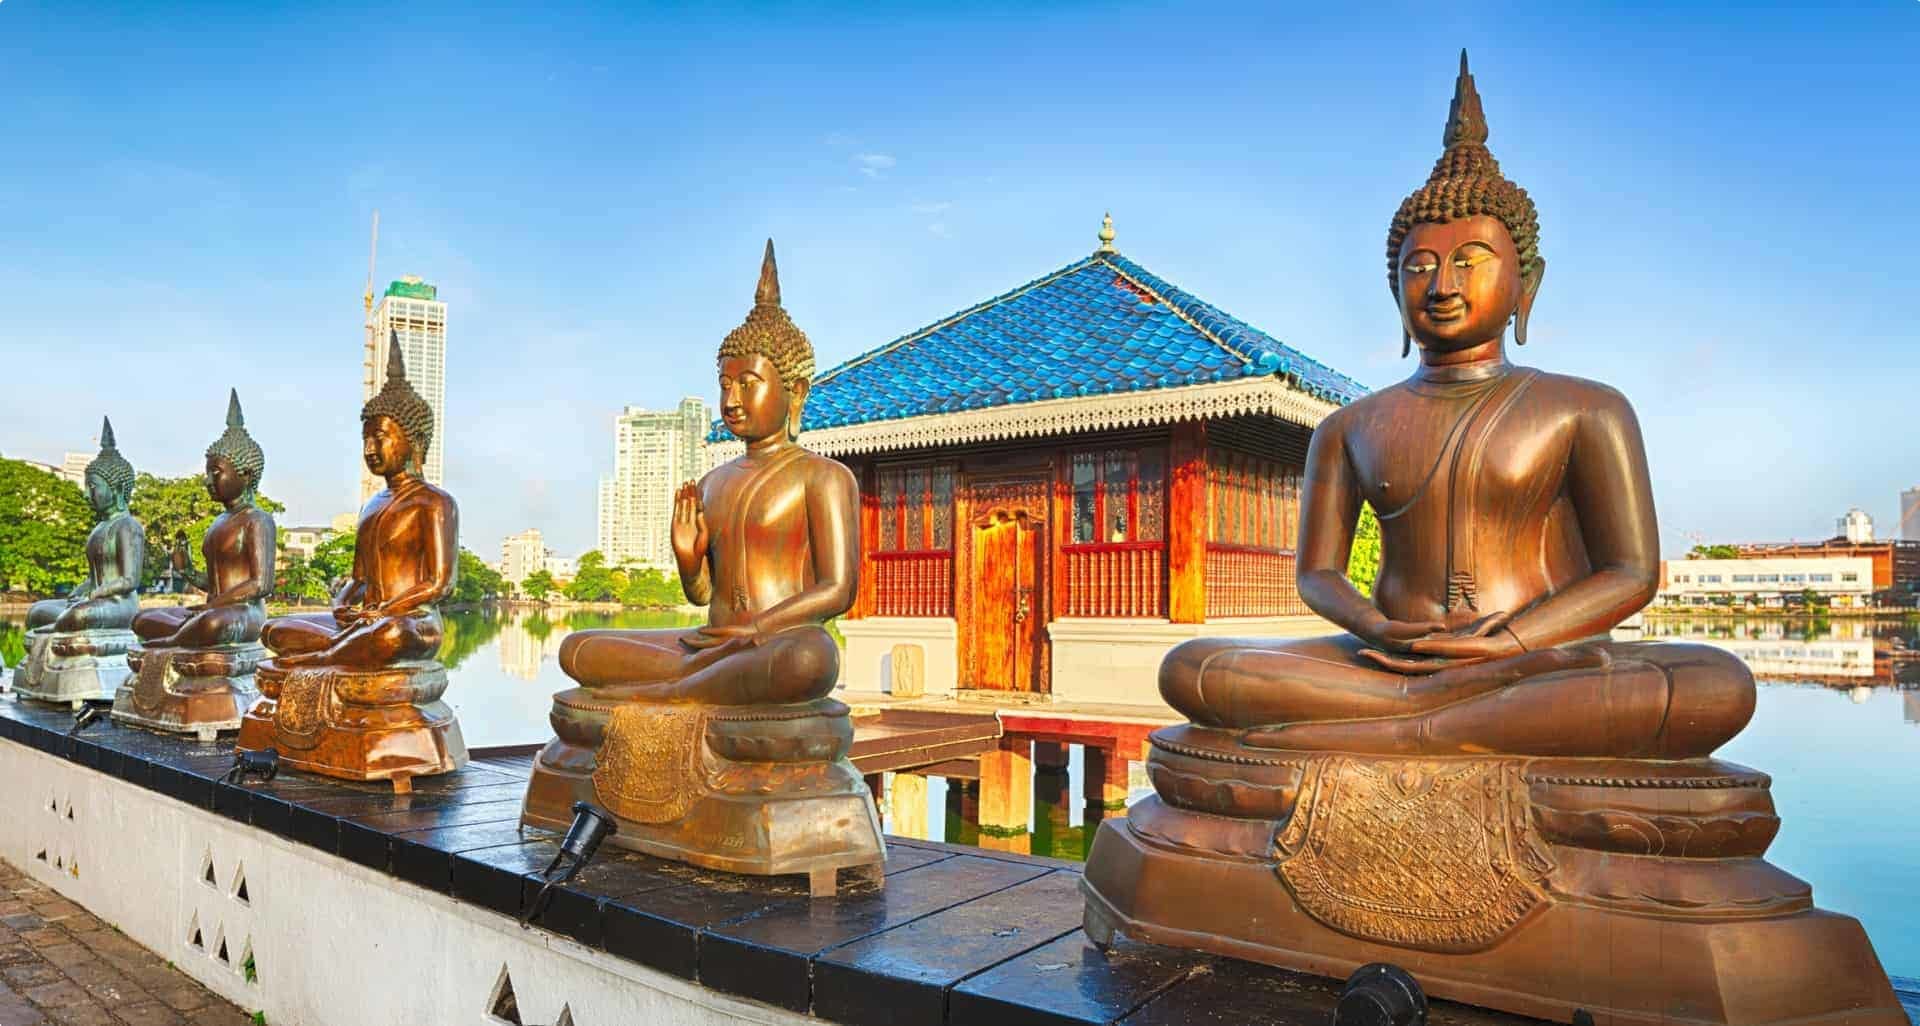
[{"x": 1062, "y": 482}]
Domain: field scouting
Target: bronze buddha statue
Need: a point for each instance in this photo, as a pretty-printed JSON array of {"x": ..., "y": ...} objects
[
  {"x": 193, "y": 667},
  {"x": 1474, "y": 782},
  {"x": 355, "y": 692},
  {"x": 77, "y": 645},
  {"x": 720, "y": 746}
]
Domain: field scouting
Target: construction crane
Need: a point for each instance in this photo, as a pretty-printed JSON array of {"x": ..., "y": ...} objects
[{"x": 371, "y": 362}]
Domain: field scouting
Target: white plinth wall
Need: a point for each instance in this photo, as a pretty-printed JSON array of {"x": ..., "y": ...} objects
[
  {"x": 1117, "y": 662},
  {"x": 332, "y": 942}
]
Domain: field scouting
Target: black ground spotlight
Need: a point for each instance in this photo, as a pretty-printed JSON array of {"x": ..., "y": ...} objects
[
  {"x": 264, "y": 764},
  {"x": 1379, "y": 994},
  {"x": 87, "y": 716},
  {"x": 591, "y": 825}
]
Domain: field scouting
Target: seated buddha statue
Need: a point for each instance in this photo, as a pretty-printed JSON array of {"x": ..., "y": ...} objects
[
  {"x": 688, "y": 736},
  {"x": 1474, "y": 773},
  {"x": 354, "y": 692},
  {"x": 193, "y": 669},
  {"x": 76, "y": 646}
]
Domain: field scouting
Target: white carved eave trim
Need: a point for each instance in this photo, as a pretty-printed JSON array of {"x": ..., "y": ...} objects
[{"x": 1239, "y": 397}]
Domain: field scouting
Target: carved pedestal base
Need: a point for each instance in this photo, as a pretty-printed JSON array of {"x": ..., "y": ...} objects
[
  {"x": 73, "y": 667},
  {"x": 199, "y": 691},
  {"x": 1634, "y": 891},
  {"x": 386, "y": 724},
  {"x": 759, "y": 790}
]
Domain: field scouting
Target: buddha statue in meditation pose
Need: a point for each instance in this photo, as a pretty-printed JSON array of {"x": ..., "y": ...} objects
[
  {"x": 355, "y": 692},
  {"x": 1474, "y": 781},
  {"x": 77, "y": 645},
  {"x": 193, "y": 668},
  {"x": 719, "y": 745}
]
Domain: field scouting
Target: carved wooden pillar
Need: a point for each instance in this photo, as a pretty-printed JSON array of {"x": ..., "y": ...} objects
[
  {"x": 1060, "y": 532},
  {"x": 866, "y": 601},
  {"x": 1187, "y": 523}
]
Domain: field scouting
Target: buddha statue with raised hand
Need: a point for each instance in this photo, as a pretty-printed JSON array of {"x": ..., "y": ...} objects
[
  {"x": 720, "y": 745},
  {"x": 77, "y": 645},
  {"x": 1474, "y": 782},
  {"x": 355, "y": 692},
  {"x": 193, "y": 669}
]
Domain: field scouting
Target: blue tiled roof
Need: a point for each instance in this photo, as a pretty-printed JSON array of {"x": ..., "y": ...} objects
[{"x": 1096, "y": 327}]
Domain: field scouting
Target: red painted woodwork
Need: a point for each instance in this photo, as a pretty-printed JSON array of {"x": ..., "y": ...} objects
[
  {"x": 866, "y": 600},
  {"x": 1244, "y": 581},
  {"x": 913, "y": 583},
  {"x": 1116, "y": 579},
  {"x": 1187, "y": 523}
]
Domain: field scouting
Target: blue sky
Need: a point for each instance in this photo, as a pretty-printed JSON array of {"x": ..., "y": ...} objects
[{"x": 1726, "y": 195}]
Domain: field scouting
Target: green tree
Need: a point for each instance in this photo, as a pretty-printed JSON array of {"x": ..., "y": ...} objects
[
  {"x": 594, "y": 582},
  {"x": 538, "y": 585},
  {"x": 476, "y": 581},
  {"x": 300, "y": 582},
  {"x": 1363, "y": 563},
  {"x": 1714, "y": 552},
  {"x": 172, "y": 505},
  {"x": 647, "y": 587},
  {"x": 44, "y": 520},
  {"x": 333, "y": 558}
]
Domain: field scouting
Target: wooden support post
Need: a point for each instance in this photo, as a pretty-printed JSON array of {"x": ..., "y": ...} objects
[
  {"x": 1006, "y": 796},
  {"x": 907, "y": 806},
  {"x": 1104, "y": 784},
  {"x": 1187, "y": 523},
  {"x": 868, "y": 594}
]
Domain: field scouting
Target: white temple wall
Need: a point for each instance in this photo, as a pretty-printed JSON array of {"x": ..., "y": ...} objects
[{"x": 1117, "y": 662}]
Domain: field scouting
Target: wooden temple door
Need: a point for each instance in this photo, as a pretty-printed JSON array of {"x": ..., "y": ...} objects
[{"x": 1008, "y": 600}]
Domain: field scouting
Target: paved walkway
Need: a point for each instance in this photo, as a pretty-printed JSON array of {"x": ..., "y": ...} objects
[{"x": 58, "y": 964}]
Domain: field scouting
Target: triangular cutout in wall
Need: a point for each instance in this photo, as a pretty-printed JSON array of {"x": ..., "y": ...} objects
[{"x": 504, "y": 1006}]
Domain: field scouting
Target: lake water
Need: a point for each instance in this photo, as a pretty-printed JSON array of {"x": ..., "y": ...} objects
[{"x": 1837, "y": 727}]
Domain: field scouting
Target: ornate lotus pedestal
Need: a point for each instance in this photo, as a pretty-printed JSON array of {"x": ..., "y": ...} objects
[
  {"x": 1633, "y": 890},
  {"x": 765, "y": 790},
  {"x": 73, "y": 667},
  {"x": 199, "y": 691},
  {"x": 384, "y": 724}
]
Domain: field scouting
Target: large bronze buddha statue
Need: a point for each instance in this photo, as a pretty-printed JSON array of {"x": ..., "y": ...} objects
[
  {"x": 719, "y": 745},
  {"x": 1474, "y": 782},
  {"x": 193, "y": 668},
  {"x": 77, "y": 646},
  {"x": 355, "y": 692}
]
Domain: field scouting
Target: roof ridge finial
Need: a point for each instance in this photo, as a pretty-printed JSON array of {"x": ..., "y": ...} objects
[
  {"x": 1466, "y": 122},
  {"x": 234, "y": 417},
  {"x": 396, "y": 366},
  {"x": 767, "y": 293},
  {"x": 1106, "y": 234}
]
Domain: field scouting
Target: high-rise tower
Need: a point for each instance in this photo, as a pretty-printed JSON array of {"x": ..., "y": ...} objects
[
  {"x": 654, "y": 451},
  {"x": 412, "y": 312}
]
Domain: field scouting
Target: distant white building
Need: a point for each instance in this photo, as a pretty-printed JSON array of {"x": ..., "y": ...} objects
[
  {"x": 302, "y": 542},
  {"x": 654, "y": 452},
  {"x": 411, "y": 311},
  {"x": 73, "y": 467},
  {"x": 521, "y": 554},
  {"x": 561, "y": 568},
  {"x": 1845, "y": 580},
  {"x": 1856, "y": 527}
]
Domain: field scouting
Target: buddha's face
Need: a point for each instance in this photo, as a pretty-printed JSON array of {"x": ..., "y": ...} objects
[
  {"x": 1460, "y": 282},
  {"x": 224, "y": 482},
  {"x": 100, "y": 494},
  {"x": 384, "y": 445},
  {"x": 754, "y": 402}
]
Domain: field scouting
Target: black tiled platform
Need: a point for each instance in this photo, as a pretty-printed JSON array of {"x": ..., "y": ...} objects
[{"x": 957, "y": 935}]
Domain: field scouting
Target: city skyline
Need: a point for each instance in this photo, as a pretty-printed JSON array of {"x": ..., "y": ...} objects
[{"x": 1722, "y": 206}]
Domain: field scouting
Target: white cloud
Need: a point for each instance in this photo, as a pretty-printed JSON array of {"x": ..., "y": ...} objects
[
  {"x": 938, "y": 228},
  {"x": 931, "y": 208},
  {"x": 873, "y": 164}
]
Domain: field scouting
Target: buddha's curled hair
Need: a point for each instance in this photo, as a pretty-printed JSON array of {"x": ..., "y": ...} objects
[
  {"x": 769, "y": 332},
  {"x": 109, "y": 467},
  {"x": 398, "y": 399},
  {"x": 1466, "y": 182},
  {"x": 237, "y": 447}
]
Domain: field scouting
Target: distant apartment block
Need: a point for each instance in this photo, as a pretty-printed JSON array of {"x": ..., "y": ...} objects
[
  {"x": 411, "y": 311},
  {"x": 300, "y": 543},
  {"x": 1845, "y": 581},
  {"x": 522, "y": 554},
  {"x": 1910, "y": 515},
  {"x": 73, "y": 467},
  {"x": 654, "y": 451}
]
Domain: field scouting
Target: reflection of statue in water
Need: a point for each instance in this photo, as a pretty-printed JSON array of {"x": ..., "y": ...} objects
[
  {"x": 1450, "y": 784},
  {"x": 193, "y": 671},
  {"x": 355, "y": 692},
  {"x": 719, "y": 745},
  {"x": 76, "y": 646}
]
